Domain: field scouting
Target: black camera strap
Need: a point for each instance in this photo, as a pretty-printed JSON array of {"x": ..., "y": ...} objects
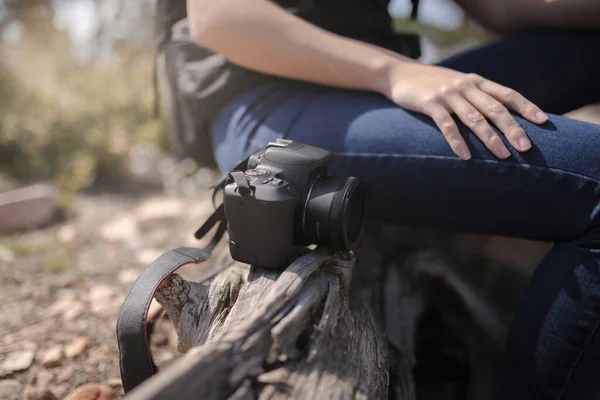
[
  {"x": 236, "y": 173},
  {"x": 132, "y": 327}
]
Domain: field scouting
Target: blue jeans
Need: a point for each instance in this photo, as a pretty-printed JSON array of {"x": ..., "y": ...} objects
[{"x": 551, "y": 193}]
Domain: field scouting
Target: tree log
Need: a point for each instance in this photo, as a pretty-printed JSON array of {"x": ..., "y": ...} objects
[
  {"x": 260, "y": 333},
  {"x": 328, "y": 326}
]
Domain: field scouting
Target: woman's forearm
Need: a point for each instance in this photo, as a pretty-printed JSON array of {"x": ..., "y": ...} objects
[{"x": 259, "y": 35}]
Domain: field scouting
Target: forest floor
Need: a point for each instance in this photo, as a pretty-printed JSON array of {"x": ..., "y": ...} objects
[{"x": 61, "y": 288}]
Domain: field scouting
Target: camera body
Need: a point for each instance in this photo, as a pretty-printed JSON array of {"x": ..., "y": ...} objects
[{"x": 286, "y": 200}]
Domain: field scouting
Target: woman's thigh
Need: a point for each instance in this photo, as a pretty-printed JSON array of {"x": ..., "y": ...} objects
[{"x": 550, "y": 193}]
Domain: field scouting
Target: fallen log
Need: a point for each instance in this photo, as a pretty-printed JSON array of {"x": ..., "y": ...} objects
[
  {"x": 328, "y": 326},
  {"x": 270, "y": 334}
]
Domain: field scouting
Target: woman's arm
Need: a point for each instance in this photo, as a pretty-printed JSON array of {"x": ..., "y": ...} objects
[
  {"x": 510, "y": 16},
  {"x": 259, "y": 35}
]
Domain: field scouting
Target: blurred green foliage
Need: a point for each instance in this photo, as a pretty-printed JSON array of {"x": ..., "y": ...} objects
[{"x": 71, "y": 123}]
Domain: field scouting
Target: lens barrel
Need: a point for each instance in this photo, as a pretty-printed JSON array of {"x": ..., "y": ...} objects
[{"x": 334, "y": 213}]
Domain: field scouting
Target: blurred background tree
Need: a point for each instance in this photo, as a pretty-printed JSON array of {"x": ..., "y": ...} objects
[{"x": 75, "y": 88}]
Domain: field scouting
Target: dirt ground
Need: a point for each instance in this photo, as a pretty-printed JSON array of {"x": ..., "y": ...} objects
[{"x": 61, "y": 289}]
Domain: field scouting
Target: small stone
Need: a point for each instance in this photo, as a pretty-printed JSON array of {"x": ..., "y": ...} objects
[
  {"x": 98, "y": 359},
  {"x": 17, "y": 361},
  {"x": 52, "y": 357},
  {"x": 115, "y": 382},
  {"x": 66, "y": 374},
  {"x": 10, "y": 389},
  {"x": 120, "y": 228},
  {"x": 92, "y": 391},
  {"x": 108, "y": 309},
  {"x": 27, "y": 345},
  {"x": 27, "y": 207},
  {"x": 44, "y": 377},
  {"x": 39, "y": 394},
  {"x": 78, "y": 347},
  {"x": 66, "y": 233},
  {"x": 66, "y": 300},
  {"x": 6, "y": 255},
  {"x": 66, "y": 305},
  {"x": 73, "y": 312},
  {"x": 100, "y": 293},
  {"x": 60, "y": 391},
  {"x": 105, "y": 301}
]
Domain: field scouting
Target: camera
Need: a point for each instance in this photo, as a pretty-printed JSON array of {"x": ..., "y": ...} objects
[{"x": 285, "y": 200}]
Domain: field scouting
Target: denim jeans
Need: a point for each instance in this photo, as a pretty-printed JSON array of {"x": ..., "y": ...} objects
[{"x": 550, "y": 193}]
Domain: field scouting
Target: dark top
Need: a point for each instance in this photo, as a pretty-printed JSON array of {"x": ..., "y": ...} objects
[
  {"x": 201, "y": 82},
  {"x": 366, "y": 20}
]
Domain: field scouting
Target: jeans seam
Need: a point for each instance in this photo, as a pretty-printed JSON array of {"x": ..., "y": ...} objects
[
  {"x": 444, "y": 157},
  {"x": 570, "y": 374}
]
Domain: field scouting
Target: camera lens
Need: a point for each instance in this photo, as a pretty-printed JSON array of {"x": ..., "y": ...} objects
[{"x": 334, "y": 213}]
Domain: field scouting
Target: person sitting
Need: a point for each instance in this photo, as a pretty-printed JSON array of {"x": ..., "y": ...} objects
[{"x": 475, "y": 143}]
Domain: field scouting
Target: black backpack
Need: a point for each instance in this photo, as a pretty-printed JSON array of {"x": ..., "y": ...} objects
[
  {"x": 195, "y": 83},
  {"x": 191, "y": 81}
]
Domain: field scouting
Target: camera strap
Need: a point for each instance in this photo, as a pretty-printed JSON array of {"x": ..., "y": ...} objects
[
  {"x": 133, "y": 330},
  {"x": 133, "y": 324}
]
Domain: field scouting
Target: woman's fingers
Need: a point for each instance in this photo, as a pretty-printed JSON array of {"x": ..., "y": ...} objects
[
  {"x": 499, "y": 115},
  {"x": 444, "y": 121},
  {"x": 475, "y": 100},
  {"x": 514, "y": 100},
  {"x": 477, "y": 122}
]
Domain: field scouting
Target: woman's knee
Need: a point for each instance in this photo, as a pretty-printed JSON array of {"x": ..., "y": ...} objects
[{"x": 567, "y": 145}]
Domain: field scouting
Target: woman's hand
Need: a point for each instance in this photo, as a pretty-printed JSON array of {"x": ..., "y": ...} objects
[{"x": 439, "y": 92}]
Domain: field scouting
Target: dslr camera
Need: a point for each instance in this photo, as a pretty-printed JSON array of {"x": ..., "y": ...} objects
[{"x": 286, "y": 200}]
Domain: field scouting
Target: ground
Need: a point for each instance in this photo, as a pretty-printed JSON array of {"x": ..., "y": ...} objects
[{"x": 62, "y": 286}]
